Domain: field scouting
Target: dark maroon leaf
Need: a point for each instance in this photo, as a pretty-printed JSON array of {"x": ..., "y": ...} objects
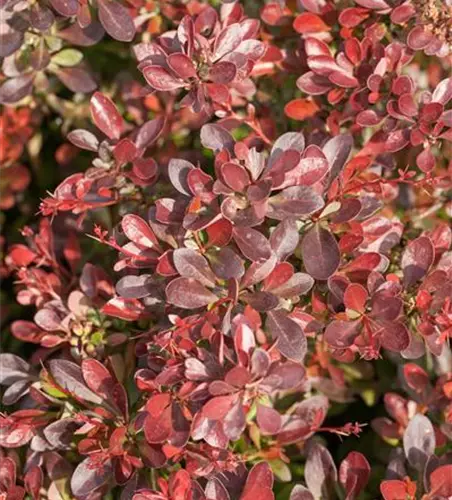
[
  {"x": 182, "y": 65},
  {"x": 77, "y": 79},
  {"x": 116, "y": 20}
]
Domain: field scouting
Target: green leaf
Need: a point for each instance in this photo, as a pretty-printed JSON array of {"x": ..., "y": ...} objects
[
  {"x": 280, "y": 470},
  {"x": 67, "y": 57}
]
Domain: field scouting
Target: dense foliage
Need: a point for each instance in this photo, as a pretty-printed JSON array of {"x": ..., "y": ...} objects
[{"x": 227, "y": 249}]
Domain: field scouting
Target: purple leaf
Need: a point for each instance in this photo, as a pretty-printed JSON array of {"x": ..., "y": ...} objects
[
  {"x": 10, "y": 40},
  {"x": 337, "y": 150},
  {"x": 419, "y": 441},
  {"x": 253, "y": 244},
  {"x": 291, "y": 339},
  {"x": 85, "y": 37},
  {"x": 89, "y": 476},
  {"x": 15, "y": 89},
  {"x": 341, "y": 334},
  {"x": 320, "y": 471},
  {"x": 188, "y": 293},
  {"x": 66, "y": 8},
  {"x": 77, "y": 79},
  {"x": 69, "y": 377},
  {"x": 300, "y": 493},
  {"x": 191, "y": 264},
  {"x": 284, "y": 239},
  {"x": 296, "y": 201},
  {"x": 149, "y": 132},
  {"x": 135, "y": 287},
  {"x": 216, "y": 137},
  {"x": 320, "y": 252},
  {"x": 83, "y": 139},
  {"x": 417, "y": 259},
  {"x": 178, "y": 171},
  {"x": 12, "y": 369},
  {"x": 227, "y": 264}
]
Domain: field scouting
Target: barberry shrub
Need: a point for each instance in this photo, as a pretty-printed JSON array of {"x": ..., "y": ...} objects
[{"x": 227, "y": 250}]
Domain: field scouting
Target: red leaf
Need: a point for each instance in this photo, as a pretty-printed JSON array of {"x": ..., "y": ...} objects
[
  {"x": 106, "y": 116},
  {"x": 301, "y": 109},
  {"x": 354, "y": 474},
  {"x": 160, "y": 79},
  {"x": 138, "y": 231},
  {"x": 441, "y": 481},
  {"x": 426, "y": 161},
  {"x": 309, "y": 23},
  {"x": 268, "y": 419},
  {"x": 416, "y": 378},
  {"x": 98, "y": 378},
  {"x": 182, "y": 65},
  {"x": 355, "y": 297},
  {"x": 259, "y": 483}
]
